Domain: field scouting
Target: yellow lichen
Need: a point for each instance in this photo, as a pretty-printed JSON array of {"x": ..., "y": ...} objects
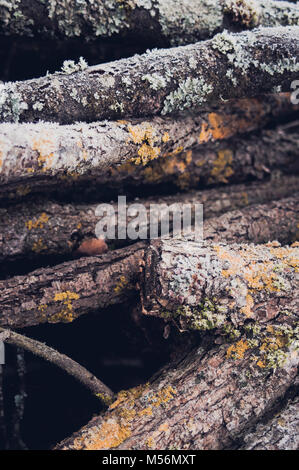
[
  {"x": 66, "y": 314},
  {"x": 145, "y": 136},
  {"x": 38, "y": 223},
  {"x": 222, "y": 169},
  {"x": 121, "y": 285},
  {"x": 237, "y": 351},
  {"x": 39, "y": 246}
]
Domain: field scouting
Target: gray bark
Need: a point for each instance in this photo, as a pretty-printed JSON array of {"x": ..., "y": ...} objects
[
  {"x": 205, "y": 285},
  {"x": 160, "y": 82},
  {"x": 37, "y": 157},
  {"x": 205, "y": 401},
  {"x": 161, "y": 21},
  {"x": 279, "y": 433}
]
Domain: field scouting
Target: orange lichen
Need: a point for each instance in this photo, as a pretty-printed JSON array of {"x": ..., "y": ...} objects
[
  {"x": 39, "y": 246},
  {"x": 163, "y": 396},
  {"x": 42, "y": 145},
  {"x": 222, "y": 169},
  {"x": 66, "y": 314},
  {"x": 110, "y": 435},
  {"x": 38, "y": 223},
  {"x": 165, "y": 137},
  {"x": 237, "y": 351}
]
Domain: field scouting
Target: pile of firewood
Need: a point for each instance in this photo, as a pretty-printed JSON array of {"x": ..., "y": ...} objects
[{"x": 187, "y": 122}]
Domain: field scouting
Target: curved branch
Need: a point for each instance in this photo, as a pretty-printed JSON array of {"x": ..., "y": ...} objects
[{"x": 62, "y": 361}]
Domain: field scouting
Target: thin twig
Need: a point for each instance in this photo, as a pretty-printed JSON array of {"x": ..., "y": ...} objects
[{"x": 97, "y": 387}]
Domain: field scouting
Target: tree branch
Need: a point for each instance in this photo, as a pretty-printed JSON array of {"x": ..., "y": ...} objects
[
  {"x": 32, "y": 229},
  {"x": 160, "y": 82},
  {"x": 43, "y": 155},
  {"x": 60, "y": 360},
  {"x": 163, "y": 22}
]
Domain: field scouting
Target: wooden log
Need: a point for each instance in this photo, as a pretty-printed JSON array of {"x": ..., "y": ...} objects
[
  {"x": 159, "y": 82},
  {"x": 31, "y": 230},
  {"x": 160, "y": 21},
  {"x": 204, "y": 285},
  {"x": 205, "y": 401},
  {"x": 64, "y": 292},
  {"x": 278, "y": 433},
  {"x": 36, "y": 157}
]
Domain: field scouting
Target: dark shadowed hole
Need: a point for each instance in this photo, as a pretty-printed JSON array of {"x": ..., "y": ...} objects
[{"x": 120, "y": 350}]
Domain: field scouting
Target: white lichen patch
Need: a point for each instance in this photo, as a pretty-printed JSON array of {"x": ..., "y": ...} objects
[
  {"x": 69, "y": 66},
  {"x": 190, "y": 93},
  {"x": 155, "y": 80},
  {"x": 11, "y": 102}
]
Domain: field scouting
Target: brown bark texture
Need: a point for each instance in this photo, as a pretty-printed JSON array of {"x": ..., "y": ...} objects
[
  {"x": 167, "y": 22},
  {"x": 33, "y": 229},
  {"x": 63, "y": 292},
  {"x": 231, "y": 65},
  {"x": 206, "y": 401}
]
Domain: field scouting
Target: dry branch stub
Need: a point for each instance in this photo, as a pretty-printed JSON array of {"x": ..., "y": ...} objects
[{"x": 165, "y": 81}]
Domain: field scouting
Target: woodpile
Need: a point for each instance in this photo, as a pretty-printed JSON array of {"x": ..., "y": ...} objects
[{"x": 207, "y": 117}]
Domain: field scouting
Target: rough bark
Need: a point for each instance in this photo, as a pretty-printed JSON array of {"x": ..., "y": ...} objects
[
  {"x": 204, "y": 285},
  {"x": 33, "y": 229},
  {"x": 62, "y": 361},
  {"x": 279, "y": 433},
  {"x": 206, "y": 401},
  {"x": 164, "y": 22},
  {"x": 161, "y": 81},
  {"x": 35, "y": 157},
  {"x": 62, "y": 293},
  {"x": 66, "y": 291},
  {"x": 253, "y": 156}
]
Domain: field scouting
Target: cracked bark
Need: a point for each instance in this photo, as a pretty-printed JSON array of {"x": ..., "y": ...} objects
[
  {"x": 34, "y": 229},
  {"x": 203, "y": 402},
  {"x": 163, "y": 22},
  {"x": 280, "y": 433},
  {"x": 207, "y": 285},
  {"x": 43, "y": 157},
  {"x": 188, "y": 77},
  {"x": 66, "y": 291}
]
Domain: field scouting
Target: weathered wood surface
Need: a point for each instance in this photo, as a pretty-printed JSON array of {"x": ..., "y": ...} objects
[
  {"x": 38, "y": 157},
  {"x": 206, "y": 401},
  {"x": 164, "y": 22},
  {"x": 160, "y": 81},
  {"x": 279, "y": 433},
  {"x": 33, "y": 229},
  {"x": 206, "y": 285},
  {"x": 66, "y": 291}
]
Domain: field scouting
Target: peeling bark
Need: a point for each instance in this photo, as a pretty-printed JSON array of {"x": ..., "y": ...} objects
[
  {"x": 206, "y": 286},
  {"x": 161, "y": 81},
  {"x": 203, "y": 402},
  {"x": 41, "y": 156},
  {"x": 164, "y": 22},
  {"x": 33, "y": 229}
]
